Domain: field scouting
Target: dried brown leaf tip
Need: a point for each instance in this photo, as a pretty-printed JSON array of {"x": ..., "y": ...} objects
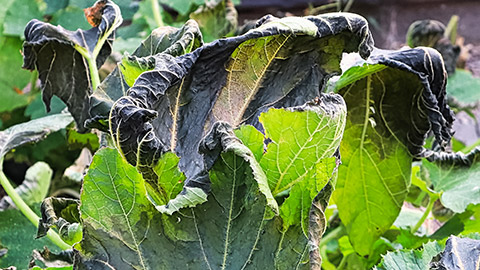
[{"x": 94, "y": 14}]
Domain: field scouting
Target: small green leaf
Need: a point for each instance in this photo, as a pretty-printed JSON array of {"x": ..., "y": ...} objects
[{"x": 216, "y": 19}]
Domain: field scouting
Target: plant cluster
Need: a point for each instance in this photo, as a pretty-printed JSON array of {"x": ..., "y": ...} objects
[{"x": 243, "y": 152}]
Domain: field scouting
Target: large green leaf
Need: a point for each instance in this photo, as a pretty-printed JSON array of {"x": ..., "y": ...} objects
[
  {"x": 17, "y": 237},
  {"x": 229, "y": 231},
  {"x": 35, "y": 186},
  {"x": 216, "y": 19},
  {"x": 393, "y": 103},
  {"x": 282, "y": 63},
  {"x": 411, "y": 259},
  {"x": 62, "y": 57},
  {"x": 32, "y": 131},
  {"x": 299, "y": 160},
  {"x": 457, "y": 176}
]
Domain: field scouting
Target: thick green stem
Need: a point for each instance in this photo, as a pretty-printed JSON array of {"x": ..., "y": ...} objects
[
  {"x": 156, "y": 13},
  {"x": 23, "y": 207},
  {"x": 333, "y": 234},
  {"x": 94, "y": 75},
  {"x": 431, "y": 201}
]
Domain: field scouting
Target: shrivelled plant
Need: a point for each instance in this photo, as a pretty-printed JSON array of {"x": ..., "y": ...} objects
[{"x": 224, "y": 155}]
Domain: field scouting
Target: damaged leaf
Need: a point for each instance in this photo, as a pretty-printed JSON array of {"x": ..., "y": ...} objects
[
  {"x": 171, "y": 107},
  {"x": 394, "y": 102},
  {"x": 68, "y": 61},
  {"x": 459, "y": 253},
  {"x": 169, "y": 40}
]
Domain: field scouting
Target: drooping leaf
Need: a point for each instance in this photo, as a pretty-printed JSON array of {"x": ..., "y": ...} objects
[
  {"x": 63, "y": 214},
  {"x": 216, "y": 19},
  {"x": 169, "y": 40},
  {"x": 411, "y": 259},
  {"x": 32, "y": 131},
  {"x": 34, "y": 188},
  {"x": 61, "y": 57},
  {"x": 392, "y": 109},
  {"x": 459, "y": 253},
  {"x": 457, "y": 176},
  {"x": 226, "y": 232},
  {"x": 232, "y": 80},
  {"x": 17, "y": 237}
]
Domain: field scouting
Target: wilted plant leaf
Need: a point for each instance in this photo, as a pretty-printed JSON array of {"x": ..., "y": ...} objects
[
  {"x": 35, "y": 186},
  {"x": 32, "y": 131},
  {"x": 63, "y": 214},
  {"x": 394, "y": 102},
  {"x": 62, "y": 58},
  {"x": 169, "y": 40},
  {"x": 456, "y": 176},
  {"x": 282, "y": 63},
  {"x": 229, "y": 231},
  {"x": 459, "y": 253}
]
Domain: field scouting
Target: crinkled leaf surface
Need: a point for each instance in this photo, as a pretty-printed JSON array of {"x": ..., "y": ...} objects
[
  {"x": 282, "y": 63},
  {"x": 18, "y": 238},
  {"x": 457, "y": 176},
  {"x": 35, "y": 186},
  {"x": 63, "y": 71},
  {"x": 123, "y": 230},
  {"x": 391, "y": 110},
  {"x": 216, "y": 19},
  {"x": 32, "y": 131},
  {"x": 169, "y": 40},
  {"x": 459, "y": 253},
  {"x": 411, "y": 259}
]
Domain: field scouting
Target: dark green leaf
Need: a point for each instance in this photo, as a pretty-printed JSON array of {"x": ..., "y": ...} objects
[
  {"x": 17, "y": 236},
  {"x": 392, "y": 108},
  {"x": 57, "y": 55},
  {"x": 167, "y": 40},
  {"x": 35, "y": 186},
  {"x": 182, "y": 6},
  {"x": 282, "y": 63},
  {"x": 36, "y": 108},
  {"x": 123, "y": 230},
  {"x": 32, "y": 131}
]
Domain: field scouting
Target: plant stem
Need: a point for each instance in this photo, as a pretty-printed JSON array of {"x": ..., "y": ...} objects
[
  {"x": 335, "y": 233},
  {"x": 326, "y": 264},
  {"x": 23, "y": 207},
  {"x": 33, "y": 81},
  {"x": 94, "y": 76},
  {"x": 156, "y": 13},
  {"x": 431, "y": 201}
]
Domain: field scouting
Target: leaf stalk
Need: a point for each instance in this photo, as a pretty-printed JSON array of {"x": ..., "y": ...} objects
[{"x": 27, "y": 211}]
